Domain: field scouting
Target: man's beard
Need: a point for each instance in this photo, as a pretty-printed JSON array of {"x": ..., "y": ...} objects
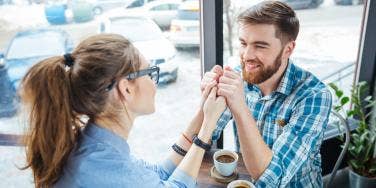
[{"x": 263, "y": 73}]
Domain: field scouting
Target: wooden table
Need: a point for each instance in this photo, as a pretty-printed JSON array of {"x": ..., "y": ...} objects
[{"x": 204, "y": 179}]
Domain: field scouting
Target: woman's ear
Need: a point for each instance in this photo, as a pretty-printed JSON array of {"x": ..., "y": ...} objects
[{"x": 125, "y": 90}]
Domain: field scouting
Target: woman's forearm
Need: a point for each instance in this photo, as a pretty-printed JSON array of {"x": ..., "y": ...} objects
[
  {"x": 192, "y": 129},
  {"x": 192, "y": 161}
]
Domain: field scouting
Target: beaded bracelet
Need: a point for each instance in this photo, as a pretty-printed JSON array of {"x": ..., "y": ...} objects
[{"x": 179, "y": 150}]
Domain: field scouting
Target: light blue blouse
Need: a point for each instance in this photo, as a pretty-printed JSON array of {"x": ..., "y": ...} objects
[{"x": 102, "y": 159}]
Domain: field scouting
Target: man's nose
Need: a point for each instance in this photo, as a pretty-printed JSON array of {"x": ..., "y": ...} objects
[{"x": 248, "y": 54}]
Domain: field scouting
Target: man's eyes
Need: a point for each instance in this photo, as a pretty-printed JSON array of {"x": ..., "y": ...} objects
[
  {"x": 262, "y": 47},
  {"x": 243, "y": 44}
]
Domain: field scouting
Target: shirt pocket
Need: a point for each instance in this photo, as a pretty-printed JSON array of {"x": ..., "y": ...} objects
[{"x": 277, "y": 122}]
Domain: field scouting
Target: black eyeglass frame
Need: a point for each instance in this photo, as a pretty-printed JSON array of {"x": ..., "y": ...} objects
[
  {"x": 131, "y": 76},
  {"x": 149, "y": 71}
]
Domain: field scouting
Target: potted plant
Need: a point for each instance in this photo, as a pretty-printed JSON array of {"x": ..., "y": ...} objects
[{"x": 361, "y": 153}]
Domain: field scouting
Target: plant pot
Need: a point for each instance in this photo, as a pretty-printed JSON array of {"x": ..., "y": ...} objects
[{"x": 358, "y": 181}]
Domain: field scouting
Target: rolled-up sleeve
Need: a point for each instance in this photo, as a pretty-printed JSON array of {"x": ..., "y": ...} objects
[
  {"x": 302, "y": 135},
  {"x": 169, "y": 175}
]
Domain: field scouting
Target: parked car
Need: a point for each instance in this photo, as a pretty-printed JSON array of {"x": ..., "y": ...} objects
[
  {"x": 82, "y": 10},
  {"x": 184, "y": 30},
  {"x": 24, "y": 50},
  {"x": 161, "y": 12},
  {"x": 303, "y": 4},
  {"x": 55, "y": 12},
  {"x": 99, "y": 6},
  {"x": 138, "y": 3},
  {"x": 4, "y": 2},
  {"x": 147, "y": 37},
  {"x": 349, "y": 2}
]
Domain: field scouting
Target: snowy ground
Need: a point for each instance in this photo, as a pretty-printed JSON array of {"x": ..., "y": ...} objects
[{"x": 329, "y": 37}]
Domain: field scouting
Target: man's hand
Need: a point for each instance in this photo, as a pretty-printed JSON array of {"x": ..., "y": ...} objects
[{"x": 231, "y": 87}]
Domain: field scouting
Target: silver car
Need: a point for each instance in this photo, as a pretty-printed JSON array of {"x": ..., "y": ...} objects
[
  {"x": 185, "y": 29},
  {"x": 147, "y": 37},
  {"x": 99, "y": 6}
]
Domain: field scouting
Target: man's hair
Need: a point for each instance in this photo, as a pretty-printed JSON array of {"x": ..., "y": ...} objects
[{"x": 276, "y": 13}]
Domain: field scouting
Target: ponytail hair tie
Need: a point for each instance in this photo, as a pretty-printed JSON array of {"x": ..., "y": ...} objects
[{"x": 68, "y": 59}]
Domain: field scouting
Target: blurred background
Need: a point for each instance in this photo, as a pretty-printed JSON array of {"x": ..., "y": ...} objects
[{"x": 167, "y": 32}]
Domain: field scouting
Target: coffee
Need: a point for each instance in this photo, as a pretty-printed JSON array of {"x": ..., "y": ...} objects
[
  {"x": 241, "y": 186},
  {"x": 225, "y": 159}
]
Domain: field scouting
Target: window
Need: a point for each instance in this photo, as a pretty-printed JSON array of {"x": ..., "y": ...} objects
[
  {"x": 327, "y": 44},
  {"x": 176, "y": 53}
]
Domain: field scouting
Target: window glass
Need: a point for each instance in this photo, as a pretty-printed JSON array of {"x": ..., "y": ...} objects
[{"x": 175, "y": 50}]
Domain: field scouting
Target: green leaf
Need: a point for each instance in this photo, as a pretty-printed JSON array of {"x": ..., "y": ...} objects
[
  {"x": 345, "y": 100},
  {"x": 354, "y": 164},
  {"x": 337, "y": 108},
  {"x": 364, "y": 137},
  {"x": 350, "y": 113},
  {"x": 339, "y": 93},
  {"x": 333, "y": 86},
  {"x": 368, "y": 153},
  {"x": 359, "y": 149}
]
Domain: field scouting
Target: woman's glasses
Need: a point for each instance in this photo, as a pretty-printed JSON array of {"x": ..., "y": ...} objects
[{"x": 152, "y": 72}]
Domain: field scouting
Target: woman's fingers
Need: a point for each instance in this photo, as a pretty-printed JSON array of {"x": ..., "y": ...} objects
[
  {"x": 224, "y": 92},
  {"x": 213, "y": 93},
  {"x": 208, "y": 78},
  {"x": 217, "y": 69},
  {"x": 208, "y": 89}
]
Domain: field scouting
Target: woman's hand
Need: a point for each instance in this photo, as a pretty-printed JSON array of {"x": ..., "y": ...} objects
[
  {"x": 213, "y": 108},
  {"x": 196, "y": 123},
  {"x": 205, "y": 93}
]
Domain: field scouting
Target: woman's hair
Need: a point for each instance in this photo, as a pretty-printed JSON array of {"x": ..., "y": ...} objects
[{"x": 58, "y": 95}]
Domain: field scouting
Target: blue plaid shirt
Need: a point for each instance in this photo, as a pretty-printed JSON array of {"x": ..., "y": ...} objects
[{"x": 291, "y": 121}]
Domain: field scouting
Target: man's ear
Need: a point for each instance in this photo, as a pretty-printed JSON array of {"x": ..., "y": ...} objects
[
  {"x": 125, "y": 90},
  {"x": 289, "y": 48}
]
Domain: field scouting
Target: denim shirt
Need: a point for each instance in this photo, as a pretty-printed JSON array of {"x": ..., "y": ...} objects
[{"x": 102, "y": 159}]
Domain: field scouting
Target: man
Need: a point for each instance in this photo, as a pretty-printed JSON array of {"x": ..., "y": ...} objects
[{"x": 280, "y": 111}]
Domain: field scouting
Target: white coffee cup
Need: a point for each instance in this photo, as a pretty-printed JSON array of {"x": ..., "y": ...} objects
[
  {"x": 240, "y": 183},
  {"x": 225, "y": 168}
]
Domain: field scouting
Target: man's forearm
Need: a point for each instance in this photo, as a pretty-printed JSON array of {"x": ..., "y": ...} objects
[{"x": 256, "y": 154}]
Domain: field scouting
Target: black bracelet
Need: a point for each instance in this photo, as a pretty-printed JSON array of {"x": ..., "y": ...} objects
[
  {"x": 201, "y": 144},
  {"x": 179, "y": 150}
]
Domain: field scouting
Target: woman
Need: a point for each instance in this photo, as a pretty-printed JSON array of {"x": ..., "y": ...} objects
[{"x": 106, "y": 80}]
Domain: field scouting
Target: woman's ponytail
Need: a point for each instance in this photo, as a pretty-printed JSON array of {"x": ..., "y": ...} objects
[{"x": 47, "y": 92}]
